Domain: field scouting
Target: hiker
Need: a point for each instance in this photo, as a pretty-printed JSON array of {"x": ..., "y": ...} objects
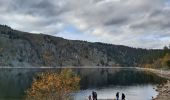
[
  {"x": 94, "y": 94},
  {"x": 117, "y": 96},
  {"x": 90, "y": 97},
  {"x": 123, "y": 96}
]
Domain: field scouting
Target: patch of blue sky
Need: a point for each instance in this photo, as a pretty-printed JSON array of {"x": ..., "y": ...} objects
[{"x": 72, "y": 33}]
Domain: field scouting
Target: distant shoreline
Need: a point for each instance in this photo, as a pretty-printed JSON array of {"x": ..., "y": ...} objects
[{"x": 76, "y": 67}]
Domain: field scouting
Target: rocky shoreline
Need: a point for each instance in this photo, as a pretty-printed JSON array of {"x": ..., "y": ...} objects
[{"x": 163, "y": 89}]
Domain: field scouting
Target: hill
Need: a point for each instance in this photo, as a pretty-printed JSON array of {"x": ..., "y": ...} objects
[{"x": 23, "y": 49}]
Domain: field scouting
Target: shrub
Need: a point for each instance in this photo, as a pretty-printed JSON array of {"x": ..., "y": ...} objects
[{"x": 53, "y": 86}]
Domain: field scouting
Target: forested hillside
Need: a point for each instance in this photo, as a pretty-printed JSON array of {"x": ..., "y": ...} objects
[
  {"x": 22, "y": 49},
  {"x": 162, "y": 62}
]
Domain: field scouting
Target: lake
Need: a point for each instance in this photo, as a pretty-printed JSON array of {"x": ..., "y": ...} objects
[
  {"x": 138, "y": 92},
  {"x": 136, "y": 84}
]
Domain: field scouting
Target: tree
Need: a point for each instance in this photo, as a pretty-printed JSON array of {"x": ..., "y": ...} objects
[
  {"x": 165, "y": 48},
  {"x": 53, "y": 86},
  {"x": 165, "y": 59},
  {"x": 168, "y": 63},
  {"x": 1, "y": 49}
]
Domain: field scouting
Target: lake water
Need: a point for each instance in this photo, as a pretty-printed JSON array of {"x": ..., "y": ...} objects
[
  {"x": 140, "y": 92},
  {"x": 136, "y": 84}
]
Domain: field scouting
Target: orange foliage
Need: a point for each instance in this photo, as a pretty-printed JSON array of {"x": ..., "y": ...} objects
[{"x": 53, "y": 86}]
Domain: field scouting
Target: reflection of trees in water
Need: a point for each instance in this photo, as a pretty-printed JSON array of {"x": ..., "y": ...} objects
[
  {"x": 131, "y": 77},
  {"x": 104, "y": 77},
  {"x": 13, "y": 82}
]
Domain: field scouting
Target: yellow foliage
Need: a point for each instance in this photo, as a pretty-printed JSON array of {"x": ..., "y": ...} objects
[
  {"x": 148, "y": 65},
  {"x": 53, "y": 86},
  {"x": 1, "y": 49},
  {"x": 159, "y": 63},
  {"x": 165, "y": 59}
]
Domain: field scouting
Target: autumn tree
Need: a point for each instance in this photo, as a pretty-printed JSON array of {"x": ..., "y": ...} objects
[
  {"x": 53, "y": 86},
  {"x": 168, "y": 63}
]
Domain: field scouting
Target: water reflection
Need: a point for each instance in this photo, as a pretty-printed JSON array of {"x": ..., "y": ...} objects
[{"x": 105, "y": 77}]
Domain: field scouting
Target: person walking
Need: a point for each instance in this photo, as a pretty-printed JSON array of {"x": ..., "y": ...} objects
[
  {"x": 123, "y": 96},
  {"x": 90, "y": 97},
  {"x": 94, "y": 95},
  {"x": 117, "y": 96}
]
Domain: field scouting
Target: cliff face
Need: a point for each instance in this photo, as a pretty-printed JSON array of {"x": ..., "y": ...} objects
[{"x": 22, "y": 49}]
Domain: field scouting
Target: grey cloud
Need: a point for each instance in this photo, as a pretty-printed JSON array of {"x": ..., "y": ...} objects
[
  {"x": 157, "y": 20},
  {"x": 117, "y": 21},
  {"x": 110, "y": 21},
  {"x": 36, "y": 7}
]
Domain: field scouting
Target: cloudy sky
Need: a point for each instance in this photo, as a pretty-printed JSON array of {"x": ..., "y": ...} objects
[{"x": 135, "y": 23}]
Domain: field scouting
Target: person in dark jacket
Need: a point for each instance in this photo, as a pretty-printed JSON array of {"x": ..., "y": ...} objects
[
  {"x": 123, "y": 96},
  {"x": 117, "y": 96},
  {"x": 94, "y": 95}
]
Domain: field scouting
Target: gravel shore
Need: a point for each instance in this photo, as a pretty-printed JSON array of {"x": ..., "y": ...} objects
[
  {"x": 164, "y": 92},
  {"x": 163, "y": 89}
]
